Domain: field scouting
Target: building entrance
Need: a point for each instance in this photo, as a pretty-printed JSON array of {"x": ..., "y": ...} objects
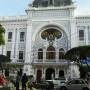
[
  {"x": 61, "y": 73},
  {"x": 50, "y": 74},
  {"x": 39, "y": 75}
]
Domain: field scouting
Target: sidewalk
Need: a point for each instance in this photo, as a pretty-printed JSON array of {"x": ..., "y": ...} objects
[{"x": 34, "y": 89}]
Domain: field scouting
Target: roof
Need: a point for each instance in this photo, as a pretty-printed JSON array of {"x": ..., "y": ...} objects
[{"x": 46, "y": 3}]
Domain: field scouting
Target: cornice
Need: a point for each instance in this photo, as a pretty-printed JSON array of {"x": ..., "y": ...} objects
[
  {"x": 50, "y": 8},
  {"x": 14, "y": 18}
]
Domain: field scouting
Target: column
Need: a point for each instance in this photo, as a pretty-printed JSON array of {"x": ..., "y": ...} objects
[
  {"x": 56, "y": 72},
  {"x": 57, "y": 55},
  {"x": 86, "y": 35},
  {"x": 14, "y": 42},
  {"x": 44, "y": 54},
  {"x": 74, "y": 38},
  {"x": 28, "y": 60},
  {"x": 43, "y": 73}
]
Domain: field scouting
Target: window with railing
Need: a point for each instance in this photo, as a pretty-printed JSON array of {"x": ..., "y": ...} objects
[
  {"x": 50, "y": 54},
  {"x": 81, "y": 35},
  {"x": 9, "y": 54},
  {"x": 40, "y": 53},
  {"x": 21, "y": 56},
  {"x": 9, "y": 36},
  {"x": 22, "y": 36}
]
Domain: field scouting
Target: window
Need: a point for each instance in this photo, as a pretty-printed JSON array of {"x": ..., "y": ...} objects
[
  {"x": 22, "y": 36},
  {"x": 21, "y": 54},
  {"x": 51, "y": 53},
  {"x": 81, "y": 35},
  {"x": 9, "y": 36},
  {"x": 40, "y": 53},
  {"x": 9, "y": 54},
  {"x": 51, "y": 2},
  {"x": 61, "y": 53}
]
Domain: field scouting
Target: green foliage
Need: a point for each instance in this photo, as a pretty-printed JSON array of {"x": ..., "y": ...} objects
[
  {"x": 4, "y": 59},
  {"x": 5, "y": 88},
  {"x": 7, "y": 72},
  {"x": 2, "y": 31},
  {"x": 78, "y": 53}
]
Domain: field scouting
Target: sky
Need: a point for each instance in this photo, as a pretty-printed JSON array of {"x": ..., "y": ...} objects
[{"x": 17, "y": 7}]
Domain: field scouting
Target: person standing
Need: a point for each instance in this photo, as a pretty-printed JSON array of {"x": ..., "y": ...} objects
[{"x": 24, "y": 81}]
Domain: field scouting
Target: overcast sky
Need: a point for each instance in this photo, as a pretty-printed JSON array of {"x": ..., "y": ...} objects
[{"x": 17, "y": 7}]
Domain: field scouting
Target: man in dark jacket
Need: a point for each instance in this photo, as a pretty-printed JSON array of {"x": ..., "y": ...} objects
[
  {"x": 17, "y": 81},
  {"x": 24, "y": 81}
]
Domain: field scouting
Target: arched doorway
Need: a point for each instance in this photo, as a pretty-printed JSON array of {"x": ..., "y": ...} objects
[
  {"x": 50, "y": 54},
  {"x": 61, "y": 73},
  {"x": 39, "y": 75},
  {"x": 50, "y": 74}
]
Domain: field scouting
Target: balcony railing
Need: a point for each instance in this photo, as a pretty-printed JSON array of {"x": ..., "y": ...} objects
[
  {"x": 21, "y": 60},
  {"x": 50, "y": 61}
]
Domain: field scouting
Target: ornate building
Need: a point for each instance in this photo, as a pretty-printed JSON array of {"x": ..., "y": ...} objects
[{"x": 40, "y": 39}]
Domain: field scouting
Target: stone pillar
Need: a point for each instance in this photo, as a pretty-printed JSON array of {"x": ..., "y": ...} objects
[
  {"x": 74, "y": 38},
  {"x": 43, "y": 73},
  {"x": 28, "y": 57},
  {"x": 14, "y": 54},
  {"x": 57, "y": 55},
  {"x": 56, "y": 72},
  {"x": 44, "y": 55},
  {"x": 86, "y": 35}
]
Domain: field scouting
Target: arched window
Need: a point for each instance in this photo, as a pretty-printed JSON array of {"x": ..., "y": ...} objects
[
  {"x": 50, "y": 54},
  {"x": 40, "y": 53},
  {"x": 61, "y": 53}
]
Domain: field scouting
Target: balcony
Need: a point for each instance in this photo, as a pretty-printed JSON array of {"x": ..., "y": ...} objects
[
  {"x": 20, "y": 61},
  {"x": 54, "y": 62}
]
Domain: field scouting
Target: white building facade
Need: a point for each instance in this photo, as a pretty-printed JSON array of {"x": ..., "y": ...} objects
[{"x": 40, "y": 39}]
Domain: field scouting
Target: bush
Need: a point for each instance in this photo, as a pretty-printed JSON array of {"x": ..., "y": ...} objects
[
  {"x": 5, "y": 88},
  {"x": 6, "y": 72}
]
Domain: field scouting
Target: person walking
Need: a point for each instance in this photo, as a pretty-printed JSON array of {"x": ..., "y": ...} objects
[
  {"x": 17, "y": 81},
  {"x": 24, "y": 81}
]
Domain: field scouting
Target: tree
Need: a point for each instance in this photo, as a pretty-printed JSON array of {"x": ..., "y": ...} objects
[
  {"x": 2, "y": 31},
  {"x": 79, "y": 55},
  {"x": 3, "y": 61}
]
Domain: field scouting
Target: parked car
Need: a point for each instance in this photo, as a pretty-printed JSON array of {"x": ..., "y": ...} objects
[
  {"x": 44, "y": 85},
  {"x": 51, "y": 85},
  {"x": 57, "y": 82},
  {"x": 75, "y": 84}
]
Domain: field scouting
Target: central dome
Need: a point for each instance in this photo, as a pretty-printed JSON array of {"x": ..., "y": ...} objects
[{"x": 46, "y": 3}]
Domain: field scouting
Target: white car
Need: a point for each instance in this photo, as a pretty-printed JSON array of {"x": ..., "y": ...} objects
[
  {"x": 57, "y": 82},
  {"x": 75, "y": 84}
]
